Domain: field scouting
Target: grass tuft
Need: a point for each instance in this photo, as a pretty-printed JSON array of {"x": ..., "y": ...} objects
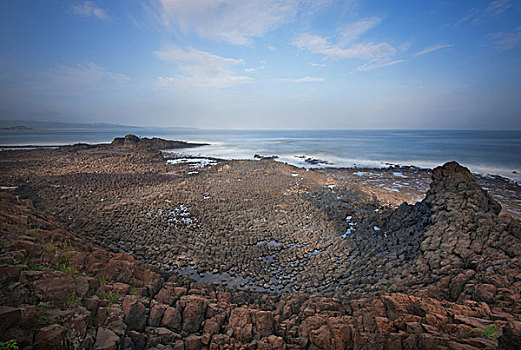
[{"x": 491, "y": 331}]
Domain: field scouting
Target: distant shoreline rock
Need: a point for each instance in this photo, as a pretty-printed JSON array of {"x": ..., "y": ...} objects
[
  {"x": 134, "y": 142},
  {"x": 17, "y": 127}
]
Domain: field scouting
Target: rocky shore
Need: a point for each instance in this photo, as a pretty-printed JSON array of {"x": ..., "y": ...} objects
[{"x": 114, "y": 247}]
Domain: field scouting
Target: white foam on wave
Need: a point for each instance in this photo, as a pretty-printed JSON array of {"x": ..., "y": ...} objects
[{"x": 224, "y": 151}]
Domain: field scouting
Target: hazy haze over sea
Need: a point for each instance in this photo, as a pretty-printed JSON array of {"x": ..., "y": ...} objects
[{"x": 486, "y": 152}]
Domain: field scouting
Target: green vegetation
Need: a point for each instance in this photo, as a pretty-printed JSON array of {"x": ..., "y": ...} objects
[
  {"x": 66, "y": 269},
  {"x": 64, "y": 259},
  {"x": 34, "y": 234},
  {"x": 65, "y": 247},
  {"x": 111, "y": 296},
  {"x": 101, "y": 280},
  {"x": 34, "y": 268},
  {"x": 9, "y": 345},
  {"x": 4, "y": 262},
  {"x": 50, "y": 248},
  {"x": 490, "y": 331},
  {"x": 72, "y": 300},
  {"x": 31, "y": 267}
]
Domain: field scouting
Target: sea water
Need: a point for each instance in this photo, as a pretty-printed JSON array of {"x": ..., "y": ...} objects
[{"x": 485, "y": 152}]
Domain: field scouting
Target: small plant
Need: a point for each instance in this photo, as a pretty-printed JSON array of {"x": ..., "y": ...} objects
[
  {"x": 64, "y": 259},
  {"x": 9, "y": 345},
  {"x": 34, "y": 234},
  {"x": 490, "y": 331},
  {"x": 66, "y": 269},
  {"x": 4, "y": 262},
  {"x": 65, "y": 247},
  {"x": 34, "y": 268},
  {"x": 72, "y": 300},
  {"x": 50, "y": 248},
  {"x": 101, "y": 280},
  {"x": 112, "y": 297}
]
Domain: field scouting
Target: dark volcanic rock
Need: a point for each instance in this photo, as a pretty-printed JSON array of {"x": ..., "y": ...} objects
[
  {"x": 132, "y": 141},
  {"x": 266, "y": 224},
  {"x": 454, "y": 188}
]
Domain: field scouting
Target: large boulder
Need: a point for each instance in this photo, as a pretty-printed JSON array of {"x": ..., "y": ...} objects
[
  {"x": 194, "y": 310},
  {"x": 135, "y": 313}
]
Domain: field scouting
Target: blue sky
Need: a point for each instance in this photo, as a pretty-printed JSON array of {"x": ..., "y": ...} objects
[{"x": 264, "y": 64}]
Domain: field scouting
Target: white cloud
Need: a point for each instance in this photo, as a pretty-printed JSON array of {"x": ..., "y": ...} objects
[
  {"x": 254, "y": 69},
  {"x": 313, "y": 64},
  {"x": 303, "y": 80},
  {"x": 238, "y": 21},
  {"x": 505, "y": 41},
  {"x": 88, "y": 74},
  {"x": 432, "y": 48},
  {"x": 234, "y": 21},
  {"x": 365, "y": 51},
  {"x": 352, "y": 31},
  {"x": 377, "y": 64},
  {"x": 497, "y": 8},
  {"x": 201, "y": 68},
  {"x": 348, "y": 46},
  {"x": 89, "y": 9},
  {"x": 494, "y": 10}
]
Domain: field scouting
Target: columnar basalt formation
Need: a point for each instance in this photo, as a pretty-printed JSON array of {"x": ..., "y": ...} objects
[{"x": 336, "y": 269}]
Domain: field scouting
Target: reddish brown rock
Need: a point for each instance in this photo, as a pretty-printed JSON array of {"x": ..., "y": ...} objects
[
  {"x": 264, "y": 323},
  {"x": 135, "y": 313},
  {"x": 120, "y": 288},
  {"x": 193, "y": 342},
  {"x": 240, "y": 323},
  {"x": 171, "y": 318},
  {"x": 194, "y": 309},
  {"x": 166, "y": 295},
  {"x": 49, "y": 337},
  {"x": 9, "y": 316},
  {"x": 511, "y": 338},
  {"x": 106, "y": 340},
  {"x": 156, "y": 314},
  {"x": 56, "y": 287}
]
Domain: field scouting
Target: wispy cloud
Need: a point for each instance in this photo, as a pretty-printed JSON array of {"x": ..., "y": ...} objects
[
  {"x": 254, "y": 69},
  {"x": 365, "y": 51},
  {"x": 494, "y": 10},
  {"x": 237, "y": 21},
  {"x": 378, "y": 64},
  {"x": 233, "y": 21},
  {"x": 354, "y": 30},
  {"x": 347, "y": 46},
  {"x": 89, "y": 9},
  {"x": 87, "y": 74},
  {"x": 505, "y": 41},
  {"x": 432, "y": 48},
  {"x": 201, "y": 68},
  {"x": 303, "y": 80},
  {"x": 313, "y": 64}
]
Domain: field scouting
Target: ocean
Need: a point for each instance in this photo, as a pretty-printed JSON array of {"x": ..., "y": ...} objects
[{"x": 483, "y": 152}]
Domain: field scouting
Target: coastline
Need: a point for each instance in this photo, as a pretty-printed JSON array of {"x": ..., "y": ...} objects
[{"x": 267, "y": 235}]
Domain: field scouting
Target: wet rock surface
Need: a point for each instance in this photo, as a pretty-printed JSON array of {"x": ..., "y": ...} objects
[{"x": 296, "y": 259}]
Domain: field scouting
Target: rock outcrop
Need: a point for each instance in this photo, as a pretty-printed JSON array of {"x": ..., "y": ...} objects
[
  {"x": 444, "y": 273},
  {"x": 155, "y": 143}
]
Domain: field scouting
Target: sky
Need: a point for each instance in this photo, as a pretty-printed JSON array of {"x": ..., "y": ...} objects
[{"x": 263, "y": 64}]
